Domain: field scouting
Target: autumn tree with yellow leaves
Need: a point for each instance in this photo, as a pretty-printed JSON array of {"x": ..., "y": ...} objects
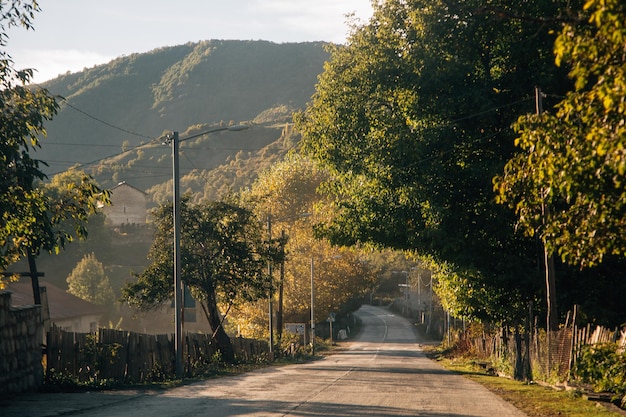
[{"x": 286, "y": 196}]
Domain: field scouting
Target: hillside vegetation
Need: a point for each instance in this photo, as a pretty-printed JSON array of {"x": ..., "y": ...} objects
[
  {"x": 134, "y": 99},
  {"x": 113, "y": 116}
]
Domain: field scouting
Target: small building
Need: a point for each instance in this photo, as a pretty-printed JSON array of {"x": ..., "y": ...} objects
[
  {"x": 64, "y": 310},
  {"x": 129, "y": 206}
]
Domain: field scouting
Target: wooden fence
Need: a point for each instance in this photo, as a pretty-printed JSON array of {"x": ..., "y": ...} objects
[
  {"x": 534, "y": 355},
  {"x": 135, "y": 357}
]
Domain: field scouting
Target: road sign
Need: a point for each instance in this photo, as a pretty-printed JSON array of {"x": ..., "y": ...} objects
[{"x": 296, "y": 328}]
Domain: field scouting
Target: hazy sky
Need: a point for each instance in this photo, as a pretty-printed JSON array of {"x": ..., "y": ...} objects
[{"x": 71, "y": 35}]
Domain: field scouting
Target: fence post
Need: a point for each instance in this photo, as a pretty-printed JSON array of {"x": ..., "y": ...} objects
[{"x": 573, "y": 353}]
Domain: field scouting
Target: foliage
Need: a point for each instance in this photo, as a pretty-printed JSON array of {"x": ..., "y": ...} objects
[
  {"x": 222, "y": 256},
  {"x": 288, "y": 191},
  {"x": 472, "y": 295},
  {"x": 573, "y": 160},
  {"x": 74, "y": 198},
  {"x": 604, "y": 367},
  {"x": 412, "y": 117},
  {"x": 532, "y": 399},
  {"x": 89, "y": 282},
  {"x": 99, "y": 356},
  {"x": 172, "y": 88},
  {"x": 25, "y": 220},
  {"x": 220, "y": 168},
  {"x": 30, "y": 216}
]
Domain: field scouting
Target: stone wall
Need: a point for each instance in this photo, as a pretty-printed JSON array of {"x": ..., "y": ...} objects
[{"x": 21, "y": 338}]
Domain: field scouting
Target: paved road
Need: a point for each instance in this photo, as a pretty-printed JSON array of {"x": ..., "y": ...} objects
[{"x": 382, "y": 373}]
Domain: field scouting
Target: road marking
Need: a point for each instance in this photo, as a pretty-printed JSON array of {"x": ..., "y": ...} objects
[{"x": 319, "y": 392}]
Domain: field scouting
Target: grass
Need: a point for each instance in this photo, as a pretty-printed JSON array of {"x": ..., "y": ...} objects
[{"x": 533, "y": 399}]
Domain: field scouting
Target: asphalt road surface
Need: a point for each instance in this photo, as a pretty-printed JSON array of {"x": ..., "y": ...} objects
[{"x": 381, "y": 373}]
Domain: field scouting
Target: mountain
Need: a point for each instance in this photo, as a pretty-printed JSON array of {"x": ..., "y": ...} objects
[
  {"x": 112, "y": 118},
  {"x": 189, "y": 88}
]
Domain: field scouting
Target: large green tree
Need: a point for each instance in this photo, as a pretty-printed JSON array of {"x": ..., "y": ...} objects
[
  {"x": 413, "y": 118},
  {"x": 573, "y": 159},
  {"x": 29, "y": 216},
  {"x": 222, "y": 261}
]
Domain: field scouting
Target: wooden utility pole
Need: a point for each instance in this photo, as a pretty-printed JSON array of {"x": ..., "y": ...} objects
[
  {"x": 548, "y": 259},
  {"x": 34, "y": 277},
  {"x": 281, "y": 290}
]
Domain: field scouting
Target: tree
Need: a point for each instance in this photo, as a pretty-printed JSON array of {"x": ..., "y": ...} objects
[
  {"x": 89, "y": 282},
  {"x": 222, "y": 258},
  {"x": 30, "y": 217},
  {"x": 572, "y": 160},
  {"x": 412, "y": 117},
  {"x": 21, "y": 121},
  {"x": 288, "y": 190}
]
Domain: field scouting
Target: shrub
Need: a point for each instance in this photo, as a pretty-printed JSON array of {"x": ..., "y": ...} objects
[{"x": 603, "y": 367}]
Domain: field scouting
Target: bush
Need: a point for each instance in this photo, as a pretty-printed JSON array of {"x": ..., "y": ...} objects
[{"x": 603, "y": 368}]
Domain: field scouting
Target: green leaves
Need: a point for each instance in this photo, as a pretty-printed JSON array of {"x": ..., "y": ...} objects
[
  {"x": 221, "y": 254},
  {"x": 413, "y": 118},
  {"x": 574, "y": 160}
]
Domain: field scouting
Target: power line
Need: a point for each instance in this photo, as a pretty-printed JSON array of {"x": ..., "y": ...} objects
[
  {"x": 152, "y": 139},
  {"x": 470, "y": 116},
  {"x": 89, "y": 145},
  {"x": 480, "y": 113},
  {"x": 441, "y": 153},
  {"x": 82, "y": 164},
  {"x": 97, "y": 119}
]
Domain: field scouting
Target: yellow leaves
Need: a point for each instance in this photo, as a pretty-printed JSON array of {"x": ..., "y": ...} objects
[
  {"x": 601, "y": 149},
  {"x": 608, "y": 102},
  {"x": 621, "y": 167},
  {"x": 589, "y": 4}
]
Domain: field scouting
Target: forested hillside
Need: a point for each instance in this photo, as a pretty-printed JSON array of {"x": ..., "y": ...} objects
[
  {"x": 112, "y": 118},
  {"x": 134, "y": 99}
]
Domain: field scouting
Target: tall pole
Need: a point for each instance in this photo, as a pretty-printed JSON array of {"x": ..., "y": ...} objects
[
  {"x": 406, "y": 292},
  {"x": 281, "y": 289},
  {"x": 34, "y": 277},
  {"x": 312, "y": 308},
  {"x": 271, "y": 289},
  {"x": 548, "y": 259},
  {"x": 178, "y": 293},
  {"x": 178, "y": 334},
  {"x": 419, "y": 295}
]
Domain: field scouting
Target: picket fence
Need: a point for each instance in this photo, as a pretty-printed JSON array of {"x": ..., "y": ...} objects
[{"x": 134, "y": 357}]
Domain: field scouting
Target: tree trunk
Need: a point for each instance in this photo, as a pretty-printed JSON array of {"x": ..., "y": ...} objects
[{"x": 219, "y": 334}]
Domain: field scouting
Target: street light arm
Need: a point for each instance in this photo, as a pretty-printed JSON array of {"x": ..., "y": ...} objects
[{"x": 234, "y": 128}]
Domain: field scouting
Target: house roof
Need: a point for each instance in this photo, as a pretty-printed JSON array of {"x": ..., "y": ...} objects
[
  {"x": 125, "y": 184},
  {"x": 62, "y": 305}
]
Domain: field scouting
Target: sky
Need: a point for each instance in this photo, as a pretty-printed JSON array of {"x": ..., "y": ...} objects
[{"x": 71, "y": 35}]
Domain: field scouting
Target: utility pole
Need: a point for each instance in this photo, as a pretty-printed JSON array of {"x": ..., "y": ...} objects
[
  {"x": 312, "y": 307},
  {"x": 34, "y": 277},
  {"x": 281, "y": 290},
  {"x": 174, "y": 140},
  {"x": 548, "y": 259},
  {"x": 178, "y": 293},
  {"x": 419, "y": 295},
  {"x": 271, "y": 289}
]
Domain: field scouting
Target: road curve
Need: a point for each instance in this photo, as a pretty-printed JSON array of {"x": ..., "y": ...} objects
[{"x": 382, "y": 373}]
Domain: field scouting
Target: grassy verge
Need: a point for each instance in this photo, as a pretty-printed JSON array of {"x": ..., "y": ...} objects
[{"x": 535, "y": 400}]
